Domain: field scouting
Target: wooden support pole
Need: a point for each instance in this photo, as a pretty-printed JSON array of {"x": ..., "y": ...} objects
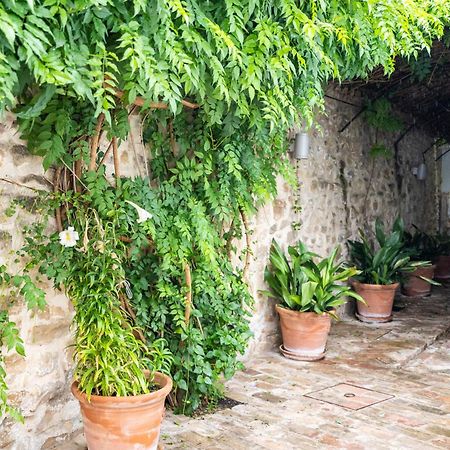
[
  {"x": 56, "y": 181},
  {"x": 77, "y": 172},
  {"x": 116, "y": 158},
  {"x": 138, "y": 334},
  {"x": 95, "y": 142},
  {"x": 140, "y": 101},
  {"x": 188, "y": 305}
]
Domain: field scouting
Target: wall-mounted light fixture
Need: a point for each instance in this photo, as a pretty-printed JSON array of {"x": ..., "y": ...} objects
[
  {"x": 301, "y": 146},
  {"x": 420, "y": 171}
]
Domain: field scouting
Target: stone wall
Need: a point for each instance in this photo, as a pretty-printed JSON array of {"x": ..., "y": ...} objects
[
  {"x": 445, "y": 189},
  {"x": 40, "y": 383},
  {"x": 341, "y": 190},
  {"x": 338, "y": 193}
]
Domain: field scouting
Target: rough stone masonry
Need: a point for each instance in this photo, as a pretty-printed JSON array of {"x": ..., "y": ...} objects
[{"x": 341, "y": 189}]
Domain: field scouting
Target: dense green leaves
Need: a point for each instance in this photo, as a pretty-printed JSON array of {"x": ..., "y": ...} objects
[
  {"x": 110, "y": 359},
  {"x": 303, "y": 285},
  {"x": 379, "y": 115},
  {"x": 102, "y": 268},
  {"x": 186, "y": 229},
  {"x": 252, "y": 58},
  {"x": 423, "y": 246},
  {"x": 388, "y": 260}
]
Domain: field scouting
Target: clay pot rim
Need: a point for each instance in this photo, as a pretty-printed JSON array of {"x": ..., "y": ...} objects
[
  {"x": 286, "y": 310},
  {"x": 127, "y": 402},
  {"x": 376, "y": 287}
]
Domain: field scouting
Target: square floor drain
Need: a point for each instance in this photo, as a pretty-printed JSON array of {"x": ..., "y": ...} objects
[{"x": 349, "y": 396}]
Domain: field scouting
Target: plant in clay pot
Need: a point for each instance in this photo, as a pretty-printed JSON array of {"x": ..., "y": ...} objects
[
  {"x": 383, "y": 265},
  {"x": 118, "y": 376},
  {"x": 439, "y": 253},
  {"x": 421, "y": 247},
  {"x": 308, "y": 293}
]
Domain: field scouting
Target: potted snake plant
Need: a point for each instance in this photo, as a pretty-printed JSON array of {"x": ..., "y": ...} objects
[
  {"x": 308, "y": 293},
  {"x": 383, "y": 263}
]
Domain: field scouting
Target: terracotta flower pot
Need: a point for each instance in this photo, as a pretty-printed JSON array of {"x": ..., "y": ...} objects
[
  {"x": 379, "y": 300},
  {"x": 414, "y": 286},
  {"x": 304, "y": 334},
  {"x": 442, "y": 271},
  {"x": 124, "y": 423}
]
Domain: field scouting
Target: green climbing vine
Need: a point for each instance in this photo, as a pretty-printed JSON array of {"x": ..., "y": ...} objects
[
  {"x": 12, "y": 288},
  {"x": 217, "y": 84}
]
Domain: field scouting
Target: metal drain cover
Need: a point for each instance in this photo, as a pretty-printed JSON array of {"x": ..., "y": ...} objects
[{"x": 349, "y": 396}]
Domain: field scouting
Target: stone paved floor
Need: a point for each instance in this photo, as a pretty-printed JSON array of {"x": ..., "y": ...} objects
[{"x": 408, "y": 359}]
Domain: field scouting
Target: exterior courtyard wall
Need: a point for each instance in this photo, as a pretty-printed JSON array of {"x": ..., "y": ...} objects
[{"x": 340, "y": 190}]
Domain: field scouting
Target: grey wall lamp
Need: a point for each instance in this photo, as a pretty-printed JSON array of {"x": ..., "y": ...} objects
[
  {"x": 301, "y": 146},
  {"x": 421, "y": 173}
]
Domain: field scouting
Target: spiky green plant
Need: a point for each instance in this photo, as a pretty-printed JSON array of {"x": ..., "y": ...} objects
[
  {"x": 301, "y": 284},
  {"x": 425, "y": 246},
  {"x": 385, "y": 260}
]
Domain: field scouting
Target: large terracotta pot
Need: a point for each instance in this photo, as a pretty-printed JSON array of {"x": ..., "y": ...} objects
[
  {"x": 379, "y": 300},
  {"x": 442, "y": 271},
  {"x": 414, "y": 286},
  {"x": 124, "y": 423},
  {"x": 304, "y": 334}
]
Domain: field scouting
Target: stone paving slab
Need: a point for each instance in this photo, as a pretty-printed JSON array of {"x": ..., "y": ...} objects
[
  {"x": 408, "y": 359},
  {"x": 349, "y": 396}
]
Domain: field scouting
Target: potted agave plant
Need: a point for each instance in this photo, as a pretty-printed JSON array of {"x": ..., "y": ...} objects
[
  {"x": 118, "y": 377},
  {"x": 382, "y": 267},
  {"x": 308, "y": 293}
]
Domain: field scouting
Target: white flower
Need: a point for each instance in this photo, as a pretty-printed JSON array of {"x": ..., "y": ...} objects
[
  {"x": 143, "y": 215},
  {"x": 69, "y": 237}
]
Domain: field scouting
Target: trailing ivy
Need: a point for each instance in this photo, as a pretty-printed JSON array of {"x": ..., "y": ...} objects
[
  {"x": 234, "y": 75},
  {"x": 380, "y": 116},
  {"x": 13, "y": 287}
]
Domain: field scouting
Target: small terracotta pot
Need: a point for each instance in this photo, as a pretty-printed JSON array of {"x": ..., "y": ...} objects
[
  {"x": 124, "y": 423},
  {"x": 304, "y": 334},
  {"x": 414, "y": 286},
  {"x": 442, "y": 271},
  {"x": 379, "y": 300}
]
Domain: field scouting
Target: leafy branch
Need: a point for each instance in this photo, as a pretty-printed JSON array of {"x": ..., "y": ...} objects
[{"x": 12, "y": 288}]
